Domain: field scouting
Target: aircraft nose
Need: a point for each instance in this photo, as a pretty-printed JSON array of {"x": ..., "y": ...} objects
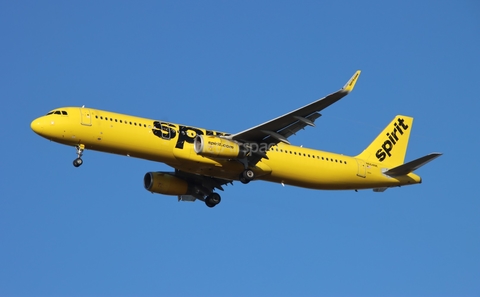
[{"x": 37, "y": 126}]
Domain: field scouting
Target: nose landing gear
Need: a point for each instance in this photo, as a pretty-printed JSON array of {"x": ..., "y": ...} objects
[{"x": 78, "y": 161}]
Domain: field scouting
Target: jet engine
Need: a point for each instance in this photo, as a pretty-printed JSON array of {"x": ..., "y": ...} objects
[
  {"x": 217, "y": 147},
  {"x": 165, "y": 183}
]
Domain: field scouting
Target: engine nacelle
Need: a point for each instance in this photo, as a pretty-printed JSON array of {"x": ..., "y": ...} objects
[
  {"x": 217, "y": 147},
  {"x": 165, "y": 183}
]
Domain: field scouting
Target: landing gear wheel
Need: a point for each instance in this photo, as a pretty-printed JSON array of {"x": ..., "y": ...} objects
[
  {"x": 209, "y": 204},
  {"x": 247, "y": 176},
  {"x": 77, "y": 162},
  {"x": 212, "y": 200}
]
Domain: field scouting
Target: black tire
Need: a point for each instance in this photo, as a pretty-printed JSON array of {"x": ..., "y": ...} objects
[
  {"x": 77, "y": 162},
  {"x": 208, "y": 203},
  {"x": 215, "y": 198},
  {"x": 243, "y": 180},
  {"x": 248, "y": 174},
  {"x": 212, "y": 199}
]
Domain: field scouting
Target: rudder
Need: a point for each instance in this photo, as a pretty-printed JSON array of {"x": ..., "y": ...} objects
[{"x": 390, "y": 146}]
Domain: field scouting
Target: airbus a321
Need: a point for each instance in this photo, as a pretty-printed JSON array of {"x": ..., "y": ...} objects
[{"x": 204, "y": 161}]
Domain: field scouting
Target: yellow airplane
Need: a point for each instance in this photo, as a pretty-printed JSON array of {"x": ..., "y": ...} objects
[{"x": 205, "y": 160}]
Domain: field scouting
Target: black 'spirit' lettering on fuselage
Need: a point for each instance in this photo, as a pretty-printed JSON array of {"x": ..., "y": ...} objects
[
  {"x": 185, "y": 134},
  {"x": 164, "y": 130}
]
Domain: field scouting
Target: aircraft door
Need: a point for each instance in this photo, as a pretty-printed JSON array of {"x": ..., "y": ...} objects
[
  {"x": 85, "y": 117},
  {"x": 362, "y": 169}
]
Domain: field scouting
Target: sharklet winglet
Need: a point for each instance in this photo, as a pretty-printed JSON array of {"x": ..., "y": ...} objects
[{"x": 348, "y": 87}]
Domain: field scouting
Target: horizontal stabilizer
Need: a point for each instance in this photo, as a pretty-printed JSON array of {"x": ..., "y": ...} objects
[{"x": 412, "y": 165}]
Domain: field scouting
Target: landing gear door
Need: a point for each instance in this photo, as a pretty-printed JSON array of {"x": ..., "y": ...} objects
[
  {"x": 362, "y": 169},
  {"x": 85, "y": 116}
]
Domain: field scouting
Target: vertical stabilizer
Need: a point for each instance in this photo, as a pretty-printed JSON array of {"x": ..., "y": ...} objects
[{"x": 390, "y": 146}]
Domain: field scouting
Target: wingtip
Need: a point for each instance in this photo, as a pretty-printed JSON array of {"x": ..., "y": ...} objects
[{"x": 351, "y": 83}]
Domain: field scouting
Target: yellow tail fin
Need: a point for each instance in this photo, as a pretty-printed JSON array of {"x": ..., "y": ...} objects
[{"x": 390, "y": 146}]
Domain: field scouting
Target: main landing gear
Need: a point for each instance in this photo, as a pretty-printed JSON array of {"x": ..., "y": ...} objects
[
  {"x": 78, "y": 161},
  {"x": 212, "y": 199},
  {"x": 246, "y": 176}
]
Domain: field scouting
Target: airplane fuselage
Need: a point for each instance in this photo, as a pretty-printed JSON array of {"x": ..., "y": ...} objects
[{"x": 173, "y": 144}]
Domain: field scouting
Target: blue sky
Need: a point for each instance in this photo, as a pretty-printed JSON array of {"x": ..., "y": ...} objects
[{"x": 230, "y": 65}]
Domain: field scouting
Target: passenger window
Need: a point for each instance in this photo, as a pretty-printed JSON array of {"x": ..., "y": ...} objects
[{"x": 120, "y": 121}]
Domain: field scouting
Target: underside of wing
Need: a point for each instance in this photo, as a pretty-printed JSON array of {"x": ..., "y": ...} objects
[
  {"x": 200, "y": 185},
  {"x": 279, "y": 129}
]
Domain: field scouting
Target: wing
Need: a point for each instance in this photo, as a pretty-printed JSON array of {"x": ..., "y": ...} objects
[{"x": 279, "y": 129}]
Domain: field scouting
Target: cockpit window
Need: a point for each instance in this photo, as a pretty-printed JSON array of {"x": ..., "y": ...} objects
[{"x": 60, "y": 112}]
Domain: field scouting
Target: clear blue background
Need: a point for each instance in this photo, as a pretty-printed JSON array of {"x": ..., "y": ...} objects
[{"x": 230, "y": 65}]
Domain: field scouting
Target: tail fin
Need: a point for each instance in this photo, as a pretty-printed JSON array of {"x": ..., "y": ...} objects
[{"x": 390, "y": 146}]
